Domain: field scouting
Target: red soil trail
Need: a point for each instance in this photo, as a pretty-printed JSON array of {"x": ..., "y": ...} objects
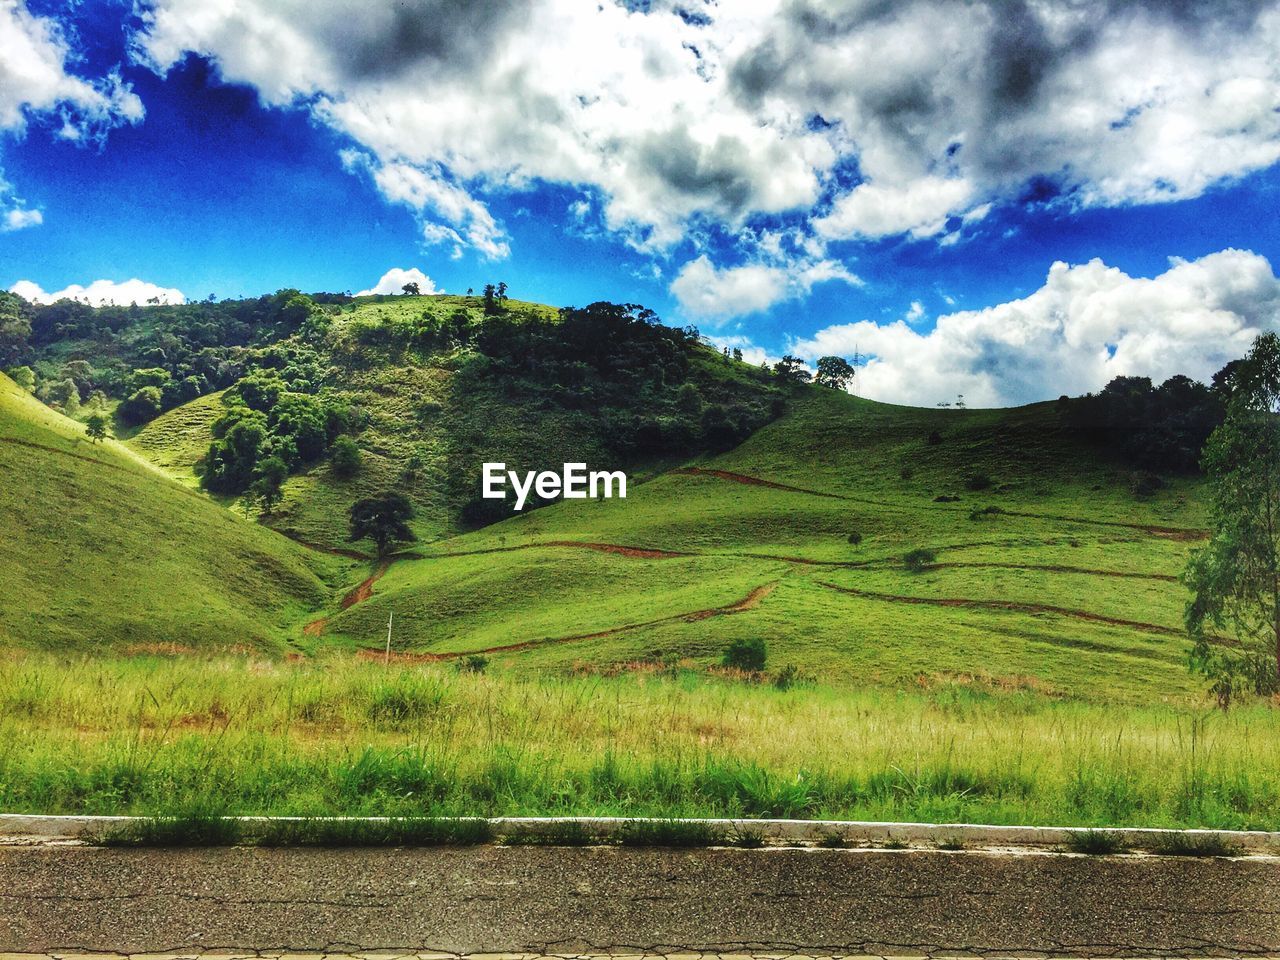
[
  {"x": 1012, "y": 606},
  {"x": 1170, "y": 533},
  {"x": 749, "y": 602},
  {"x": 358, "y": 594}
]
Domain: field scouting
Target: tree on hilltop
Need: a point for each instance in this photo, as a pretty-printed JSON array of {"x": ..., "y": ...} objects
[
  {"x": 411, "y": 289},
  {"x": 835, "y": 372}
]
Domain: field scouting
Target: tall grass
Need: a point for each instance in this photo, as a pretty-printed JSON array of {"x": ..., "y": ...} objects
[{"x": 336, "y": 736}]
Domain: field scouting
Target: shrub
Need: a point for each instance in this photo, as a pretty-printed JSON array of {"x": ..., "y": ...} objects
[
  {"x": 946, "y": 498},
  {"x": 977, "y": 481},
  {"x": 916, "y": 560},
  {"x": 984, "y": 513},
  {"x": 935, "y": 438},
  {"x": 346, "y": 457},
  {"x": 906, "y": 473},
  {"x": 787, "y": 677},
  {"x": 855, "y": 538},
  {"x": 747, "y": 655},
  {"x": 475, "y": 663}
]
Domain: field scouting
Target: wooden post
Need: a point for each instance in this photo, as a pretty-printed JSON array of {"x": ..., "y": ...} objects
[{"x": 387, "y": 660}]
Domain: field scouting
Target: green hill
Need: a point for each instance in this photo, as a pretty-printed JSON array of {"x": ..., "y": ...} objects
[
  {"x": 1047, "y": 562},
  {"x": 101, "y": 549},
  {"x": 1070, "y": 588}
]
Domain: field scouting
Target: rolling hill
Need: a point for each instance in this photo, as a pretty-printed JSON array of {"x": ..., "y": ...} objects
[
  {"x": 103, "y": 551},
  {"x": 1042, "y": 567}
]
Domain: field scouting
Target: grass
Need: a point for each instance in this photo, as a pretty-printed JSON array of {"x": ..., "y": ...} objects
[
  {"x": 1189, "y": 845},
  {"x": 156, "y": 736},
  {"x": 102, "y": 551}
]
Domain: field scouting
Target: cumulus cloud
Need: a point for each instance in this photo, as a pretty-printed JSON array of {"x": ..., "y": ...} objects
[
  {"x": 19, "y": 218},
  {"x": 101, "y": 293},
  {"x": 36, "y": 83},
  {"x": 680, "y": 115},
  {"x": 1087, "y": 324},
  {"x": 707, "y": 292},
  {"x": 393, "y": 281}
]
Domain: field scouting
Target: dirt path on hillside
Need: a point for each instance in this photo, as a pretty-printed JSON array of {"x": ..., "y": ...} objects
[
  {"x": 1171, "y": 533},
  {"x": 1012, "y": 606},
  {"x": 358, "y": 594},
  {"x": 749, "y": 602}
]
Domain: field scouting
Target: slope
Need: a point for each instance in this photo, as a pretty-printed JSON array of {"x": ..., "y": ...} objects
[
  {"x": 1051, "y": 574},
  {"x": 100, "y": 549}
]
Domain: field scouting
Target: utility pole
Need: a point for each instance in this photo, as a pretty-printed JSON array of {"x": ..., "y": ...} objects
[{"x": 387, "y": 660}]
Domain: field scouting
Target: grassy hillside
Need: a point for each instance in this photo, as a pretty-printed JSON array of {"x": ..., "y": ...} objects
[
  {"x": 1070, "y": 589},
  {"x": 1043, "y": 568},
  {"x": 101, "y": 549}
]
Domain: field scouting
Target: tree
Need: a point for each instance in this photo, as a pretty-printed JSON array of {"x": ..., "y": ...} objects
[
  {"x": 268, "y": 482},
  {"x": 141, "y": 406},
  {"x": 1235, "y": 578},
  {"x": 791, "y": 370},
  {"x": 748, "y": 655},
  {"x": 24, "y": 377},
  {"x": 490, "y": 298},
  {"x": 96, "y": 426},
  {"x": 346, "y": 457},
  {"x": 834, "y": 372},
  {"x": 411, "y": 289},
  {"x": 383, "y": 519}
]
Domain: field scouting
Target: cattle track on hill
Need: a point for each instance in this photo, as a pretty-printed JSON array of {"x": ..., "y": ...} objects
[{"x": 1171, "y": 533}]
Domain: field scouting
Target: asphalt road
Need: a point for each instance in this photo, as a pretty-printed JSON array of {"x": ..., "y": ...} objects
[{"x": 605, "y": 899}]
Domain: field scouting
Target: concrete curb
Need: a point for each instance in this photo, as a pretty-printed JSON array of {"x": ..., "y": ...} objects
[{"x": 852, "y": 832}]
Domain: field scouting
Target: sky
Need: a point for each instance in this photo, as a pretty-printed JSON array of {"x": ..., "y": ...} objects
[{"x": 1005, "y": 199}]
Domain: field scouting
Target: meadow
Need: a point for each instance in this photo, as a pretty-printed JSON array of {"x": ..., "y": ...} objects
[
  {"x": 339, "y": 735},
  {"x": 162, "y": 650}
]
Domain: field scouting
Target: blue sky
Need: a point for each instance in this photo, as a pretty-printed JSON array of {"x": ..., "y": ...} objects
[{"x": 733, "y": 170}]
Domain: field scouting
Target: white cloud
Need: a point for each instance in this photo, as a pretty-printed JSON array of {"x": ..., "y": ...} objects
[
  {"x": 35, "y": 82},
  {"x": 707, "y": 292},
  {"x": 393, "y": 281},
  {"x": 920, "y": 207},
  {"x": 1087, "y": 324},
  {"x": 101, "y": 292},
  {"x": 679, "y": 116},
  {"x": 19, "y": 218}
]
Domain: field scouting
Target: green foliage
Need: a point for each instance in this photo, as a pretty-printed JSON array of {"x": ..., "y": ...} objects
[
  {"x": 96, "y": 427},
  {"x": 1158, "y": 428},
  {"x": 916, "y": 560},
  {"x": 1234, "y": 578},
  {"x": 1097, "y": 843},
  {"x": 791, "y": 370},
  {"x": 834, "y": 372},
  {"x": 748, "y": 654},
  {"x": 854, "y": 538},
  {"x": 143, "y": 404},
  {"x": 269, "y": 476},
  {"x": 24, "y": 377},
  {"x": 384, "y": 519},
  {"x": 345, "y": 457}
]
